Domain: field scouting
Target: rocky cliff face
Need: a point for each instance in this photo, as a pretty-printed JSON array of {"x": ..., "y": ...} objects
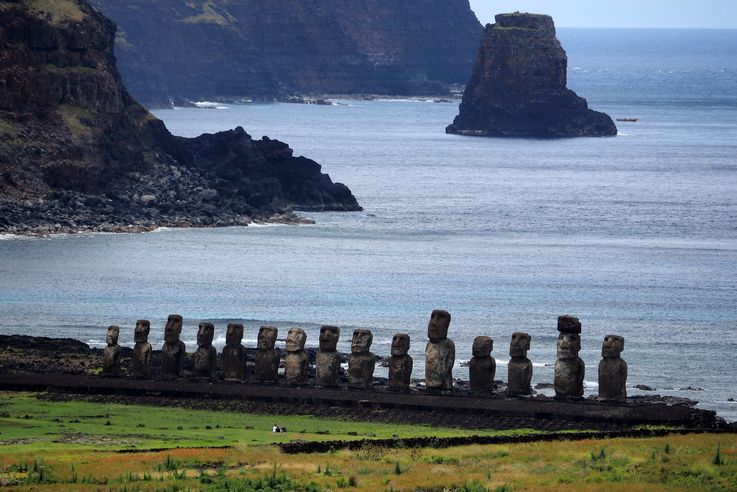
[
  {"x": 77, "y": 152},
  {"x": 202, "y": 49},
  {"x": 518, "y": 86}
]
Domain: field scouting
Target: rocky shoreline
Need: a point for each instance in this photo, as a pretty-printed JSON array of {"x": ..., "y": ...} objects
[{"x": 77, "y": 153}]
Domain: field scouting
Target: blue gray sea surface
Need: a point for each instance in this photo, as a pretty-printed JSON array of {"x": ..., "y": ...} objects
[{"x": 634, "y": 234}]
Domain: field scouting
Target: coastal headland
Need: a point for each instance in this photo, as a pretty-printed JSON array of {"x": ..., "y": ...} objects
[{"x": 80, "y": 154}]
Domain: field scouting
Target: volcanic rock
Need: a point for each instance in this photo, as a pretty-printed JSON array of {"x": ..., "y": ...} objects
[
  {"x": 518, "y": 86},
  {"x": 78, "y": 153}
]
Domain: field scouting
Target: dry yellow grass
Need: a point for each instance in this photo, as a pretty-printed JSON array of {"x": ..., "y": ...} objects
[{"x": 667, "y": 463}]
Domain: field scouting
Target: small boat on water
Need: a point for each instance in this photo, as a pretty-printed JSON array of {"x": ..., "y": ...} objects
[{"x": 629, "y": 120}]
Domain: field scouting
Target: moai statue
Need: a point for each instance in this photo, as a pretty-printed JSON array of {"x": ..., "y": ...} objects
[
  {"x": 327, "y": 360},
  {"x": 482, "y": 367},
  {"x": 296, "y": 361},
  {"x": 234, "y": 354},
  {"x": 205, "y": 357},
  {"x": 569, "y": 368},
  {"x": 400, "y": 363},
  {"x": 361, "y": 362},
  {"x": 519, "y": 370},
  {"x": 612, "y": 370},
  {"x": 173, "y": 351},
  {"x": 111, "y": 355},
  {"x": 440, "y": 353},
  {"x": 142, "y": 350},
  {"x": 266, "y": 367}
]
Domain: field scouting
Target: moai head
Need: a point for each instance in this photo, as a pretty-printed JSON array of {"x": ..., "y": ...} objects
[
  {"x": 612, "y": 346},
  {"x": 361, "y": 343},
  {"x": 140, "y": 333},
  {"x": 437, "y": 329},
  {"x": 234, "y": 334},
  {"x": 400, "y": 344},
  {"x": 173, "y": 328},
  {"x": 112, "y": 336},
  {"x": 205, "y": 334},
  {"x": 329, "y": 338},
  {"x": 296, "y": 338},
  {"x": 568, "y": 345},
  {"x": 482, "y": 346},
  {"x": 519, "y": 345},
  {"x": 267, "y": 337}
]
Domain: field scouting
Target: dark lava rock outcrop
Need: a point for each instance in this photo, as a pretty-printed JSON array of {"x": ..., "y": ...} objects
[
  {"x": 518, "y": 86},
  {"x": 205, "y": 49},
  {"x": 78, "y": 153}
]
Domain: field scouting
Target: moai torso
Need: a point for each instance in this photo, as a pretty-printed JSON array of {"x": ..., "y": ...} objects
[
  {"x": 361, "y": 362},
  {"x": 142, "y": 350},
  {"x": 569, "y": 368},
  {"x": 111, "y": 354},
  {"x": 440, "y": 353},
  {"x": 400, "y": 363},
  {"x": 612, "y": 370},
  {"x": 266, "y": 367},
  {"x": 205, "y": 357},
  {"x": 327, "y": 360},
  {"x": 482, "y": 367},
  {"x": 519, "y": 370},
  {"x": 173, "y": 351},
  {"x": 234, "y": 354},
  {"x": 296, "y": 361}
]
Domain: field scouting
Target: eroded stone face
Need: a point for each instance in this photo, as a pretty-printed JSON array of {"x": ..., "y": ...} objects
[
  {"x": 400, "y": 344},
  {"x": 234, "y": 334},
  {"x": 329, "y": 338},
  {"x": 482, "y": 346},
  {"x": 613, "y": 346},
  {"x": 296, "y": 338},
  {"x": 141, "y": 331},
  {"x": 205, "y": 334},
  {"x": 142, "y": 351},
  {"x": 519, "y": 345},
  {"x": 519, "y": 369},
  {"x": 267, "y": 337},
  {"x": 361, "y": 342},
  {"x": 111, "y": 338},
  {"x": 173, "y": 351},
  {"x": 612, "y": 370},
  {"x": 568, "y": 346},
  {"x": 173, "y": 328},
  {"x": 111, "y": 354},
  {"x": 361, "y": 362},
  {"x": 234, "y": 354},
  {"x": 437, "y": 328}
]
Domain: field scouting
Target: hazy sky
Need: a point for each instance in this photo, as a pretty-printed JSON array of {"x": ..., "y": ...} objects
[{"x": 619, "y": 13}]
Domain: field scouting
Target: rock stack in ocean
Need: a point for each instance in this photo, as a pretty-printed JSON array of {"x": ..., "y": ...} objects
[{"x": 518, "y": 86}]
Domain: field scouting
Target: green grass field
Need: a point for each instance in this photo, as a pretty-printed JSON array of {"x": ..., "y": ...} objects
[{"x": 82, "y": 445}]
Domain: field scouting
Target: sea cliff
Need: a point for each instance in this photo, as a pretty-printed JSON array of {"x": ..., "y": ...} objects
[
  {"x": 270, "y": 49},
  {"x": 77, "y": 152}
]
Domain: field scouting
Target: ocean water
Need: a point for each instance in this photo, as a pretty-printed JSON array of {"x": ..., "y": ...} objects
[{"x": 634, "y": 234}]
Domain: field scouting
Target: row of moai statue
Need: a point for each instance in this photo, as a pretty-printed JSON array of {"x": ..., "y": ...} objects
[{"x": 439, "y": 358}]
